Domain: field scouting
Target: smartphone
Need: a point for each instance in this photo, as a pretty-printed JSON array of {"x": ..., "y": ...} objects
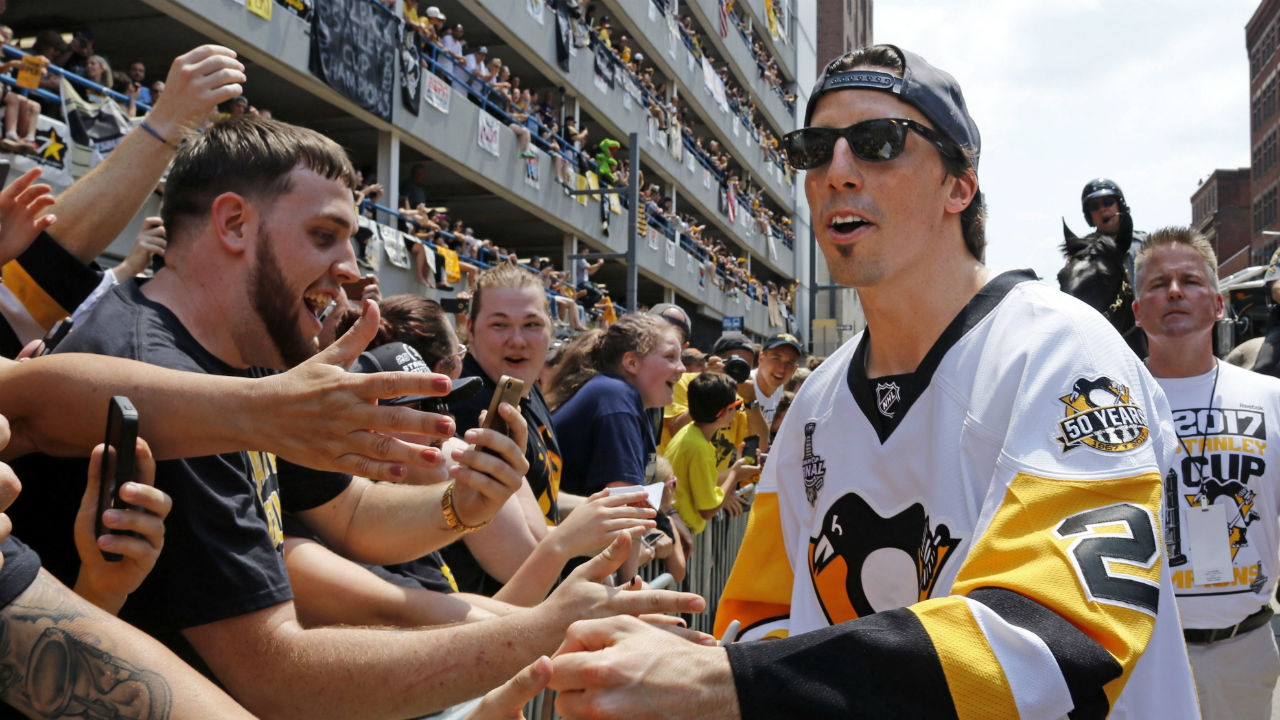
[
  {"x": 652, "y": 537},
  {"x": 455, "y": 305},
  {"x": 508, "y": 391},
  {"x": 117, "y": 463},
  {"x": 751, "y": 448}
]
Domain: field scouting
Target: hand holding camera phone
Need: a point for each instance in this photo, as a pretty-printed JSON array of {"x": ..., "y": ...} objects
[
  {"x": 509, "y": 390},
  {"x": 751, "y": 448},
  {"x": 117, "y": 464}
]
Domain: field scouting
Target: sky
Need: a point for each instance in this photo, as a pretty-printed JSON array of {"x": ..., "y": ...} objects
[{"x": 1154, "y": 95}]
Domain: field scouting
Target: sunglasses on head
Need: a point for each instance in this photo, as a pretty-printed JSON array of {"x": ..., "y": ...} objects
[
  {"x": 1097, "y": 204},
  {"x": 871, "y": 140},
  {"x": 730, "y": 408}
]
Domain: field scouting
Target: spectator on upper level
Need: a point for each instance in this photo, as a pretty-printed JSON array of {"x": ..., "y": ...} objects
[
  {"x": 413, "y": 192},
  {"x": 138, "y": 74},
  {"x": 157, "y": 88},
  {"x": 475, "y": 64},
  {"x": 97, "y": 70},
  {"x": 20, "y": 113},
  {"x": 78, "y": 52}
]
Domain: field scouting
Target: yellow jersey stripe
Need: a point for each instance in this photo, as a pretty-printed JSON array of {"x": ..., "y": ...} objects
[{"x": 977, "y": 683}]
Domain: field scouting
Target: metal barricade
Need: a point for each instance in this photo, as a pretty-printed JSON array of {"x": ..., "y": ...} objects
[
  {"x": 706, "y": 573},
  {"x": 708, "y": 568}
]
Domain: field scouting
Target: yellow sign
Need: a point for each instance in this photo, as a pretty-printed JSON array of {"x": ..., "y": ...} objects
[
  {"x": 261, "y": 8},
  {"x": 32, "y": 69}
]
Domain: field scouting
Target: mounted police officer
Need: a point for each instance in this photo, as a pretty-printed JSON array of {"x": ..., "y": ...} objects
[{"x": 1102, "y": 202}]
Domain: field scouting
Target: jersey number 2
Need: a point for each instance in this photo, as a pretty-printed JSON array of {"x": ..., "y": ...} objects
[{"x": 1121, "y": 534}]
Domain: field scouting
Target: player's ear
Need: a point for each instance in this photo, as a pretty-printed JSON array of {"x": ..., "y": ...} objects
[{"x": 962, "y": 190}]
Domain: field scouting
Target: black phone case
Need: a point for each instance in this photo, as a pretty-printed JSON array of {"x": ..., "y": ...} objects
[{"x": 117, "y": 463}]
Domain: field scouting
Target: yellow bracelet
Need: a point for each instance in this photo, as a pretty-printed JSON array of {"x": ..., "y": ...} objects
[{"x": 451, "y": 516}]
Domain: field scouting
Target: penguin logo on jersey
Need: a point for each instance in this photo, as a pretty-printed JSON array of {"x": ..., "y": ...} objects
[
  {"x": 861, "y": 563},
  {"x": 887, "y": 395},
  {"x": 1100, "y": 415}
]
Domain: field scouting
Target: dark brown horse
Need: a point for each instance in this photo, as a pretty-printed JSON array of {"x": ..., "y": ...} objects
[{"x": 1095, "y": 273}]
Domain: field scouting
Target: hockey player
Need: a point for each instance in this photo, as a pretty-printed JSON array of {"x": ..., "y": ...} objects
[
  {"x": 965, "y": 496},
  {"x": 1222, "y": 502}
]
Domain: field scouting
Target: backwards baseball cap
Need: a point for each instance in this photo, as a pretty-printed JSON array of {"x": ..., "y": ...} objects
[
  {"x": 783, "y": 340},
  {"x": 926, "y": 88},
  {"x": 682, "y": 322},
  {"x": 732, "y": 340}
]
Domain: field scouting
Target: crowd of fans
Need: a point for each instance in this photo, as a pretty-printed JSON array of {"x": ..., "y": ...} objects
[
  {"x": 490, "y": 82},
  {"x": 245, "y": 564}
]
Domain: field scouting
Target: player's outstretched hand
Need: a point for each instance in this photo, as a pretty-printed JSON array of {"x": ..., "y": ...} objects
[
  {"x": 108, "y": 584},
  {"x": 622, "y": 667},
  {"x": 198, "y": 82},
  {"x": 507, "y": 701},
  {"x": 22, "y": 214},
  {"x": 321, "y": 416},
  {"x": 488, "y": 472}
]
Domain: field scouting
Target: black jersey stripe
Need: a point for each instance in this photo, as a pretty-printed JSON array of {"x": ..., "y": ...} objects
[
  {"x": 1086, "y": 666},
  {"x": 879, "y": 666}
]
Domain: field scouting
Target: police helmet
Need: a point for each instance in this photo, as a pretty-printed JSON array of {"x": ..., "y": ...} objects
[{"x": 1100, "y": 187}]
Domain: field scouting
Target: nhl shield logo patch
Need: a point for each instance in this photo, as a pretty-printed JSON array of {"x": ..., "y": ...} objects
[
  {"x": 1100, "y": 415},
  {"x": 887, "y": 396}
]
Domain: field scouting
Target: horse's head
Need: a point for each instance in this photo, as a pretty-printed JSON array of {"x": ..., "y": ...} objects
[{"x": 1095, "y": 271}]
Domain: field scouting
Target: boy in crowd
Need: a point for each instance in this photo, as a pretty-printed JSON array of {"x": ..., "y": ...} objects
[{"x": 713, "y": 405}]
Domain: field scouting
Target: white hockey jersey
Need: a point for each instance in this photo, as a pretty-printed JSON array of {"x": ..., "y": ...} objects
[
  {"x": 983, "y": 534},
  {"x": 1228, "y": 426}
]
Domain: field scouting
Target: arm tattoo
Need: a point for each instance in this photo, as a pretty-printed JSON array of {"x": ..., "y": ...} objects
[{"x": 54, "y": 663}]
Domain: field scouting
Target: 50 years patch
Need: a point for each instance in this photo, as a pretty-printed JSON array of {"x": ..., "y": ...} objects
[{"x": 1100, "y": 415}]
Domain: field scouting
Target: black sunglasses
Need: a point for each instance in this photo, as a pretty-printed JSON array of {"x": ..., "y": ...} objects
[
  {"x": 874, "y": 140},
  {"x": 1097, "y": 204}
]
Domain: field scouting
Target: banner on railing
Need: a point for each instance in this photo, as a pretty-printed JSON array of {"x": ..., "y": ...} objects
[
  {"x": 604, "y": 69},
  {"x": 410, "y": 70},
  {"x": 301, "y": 8},
  {"x": 706, "y": 178},
  {"x": 95, "y": 128},
  {"x": 393, "y": 245},
  {"x": 428, "y": 255},
  {"x": 564, "y": 40},
  {"x": 653, "y": 239},
  {"x": 368, "y": 234},
  {"x": 671, "y": 252},
  {"x": 353, "y": 50},
  {"x": 51, "y": 155},
  {"x": 261, "y": 8},
  {"x": 438, "y": 92},
  {"x": 536, "y": 10},
  {"x": 488, "y": 133},
  {"x": 531, "y": 172},
  {"x": 773, "y": 247}
]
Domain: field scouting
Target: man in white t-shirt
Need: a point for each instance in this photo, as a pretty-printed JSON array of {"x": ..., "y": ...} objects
[
  {"x": 779, "y": 358},
  {"x": 1221, "y": 499}
]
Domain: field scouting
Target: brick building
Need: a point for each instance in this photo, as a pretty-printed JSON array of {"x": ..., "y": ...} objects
[
  {"x": 1262, "y": 37},
  {"x": 853, "y": 30},
  {"x": 1220, "y": 210}
]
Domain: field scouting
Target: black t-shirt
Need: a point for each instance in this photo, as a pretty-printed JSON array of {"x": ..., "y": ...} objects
[
  {"x": 222, "y": 555},
  {"x": 542, "y": 452},
  {"x": 21, "y": 564}
]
